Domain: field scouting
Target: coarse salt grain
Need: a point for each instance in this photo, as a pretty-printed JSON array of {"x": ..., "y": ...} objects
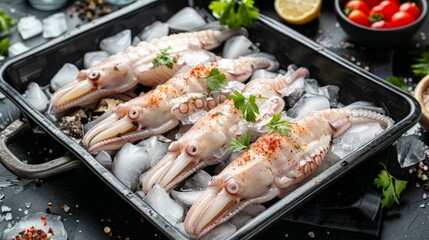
[
  {"x": 422, "y": 205},
  {"x": 425, "y": 196}
]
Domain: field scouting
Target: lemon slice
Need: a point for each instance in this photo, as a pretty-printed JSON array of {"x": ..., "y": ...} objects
[{"x": 298, "y": 11}]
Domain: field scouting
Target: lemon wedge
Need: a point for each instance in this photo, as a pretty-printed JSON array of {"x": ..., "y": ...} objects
[{"x": 298, "y": 11}]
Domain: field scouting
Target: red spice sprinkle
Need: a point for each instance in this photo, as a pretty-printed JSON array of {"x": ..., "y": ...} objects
[{"x": 43, "y": 219}]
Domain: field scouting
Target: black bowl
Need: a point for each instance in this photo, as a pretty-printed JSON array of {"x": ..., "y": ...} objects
[{"x": 379, "y": 38}]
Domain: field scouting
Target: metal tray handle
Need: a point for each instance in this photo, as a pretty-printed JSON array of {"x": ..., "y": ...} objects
[{"x": 30, "y": 171}]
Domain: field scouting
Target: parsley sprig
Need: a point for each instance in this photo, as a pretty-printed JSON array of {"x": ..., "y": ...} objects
[
  {"x": 421, "y": 68},
  {"x": 281, "y": 126},
  {"x": 398, "y": 82},
  {"x": 241, "y": 142},
  {"x": 6, "y": 22},
  {"x": 163, "y": 58},
  {"x": 247, "y": 106},
  {"x": 4, "y": 46},
  {"x": 216, "y": 79},
  {"x": 233, "y": 16},
  {"x": 392, "y": 187}
]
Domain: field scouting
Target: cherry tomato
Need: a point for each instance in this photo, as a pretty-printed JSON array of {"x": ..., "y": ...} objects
[
  {"x": 356, "y": 4},
  {"x": 383, "y": 11},
  {"x": 410, "y": 8},
  {"x": 400, "y": 19},
  {"x": 380, "y": 24},
  {"x": 397, "y": 2},
  {"x": 359, "y": 17},
  {"x": 371, "y": 3}
]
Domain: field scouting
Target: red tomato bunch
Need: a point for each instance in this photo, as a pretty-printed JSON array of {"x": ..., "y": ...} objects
[{"x": 381, "y": 13}]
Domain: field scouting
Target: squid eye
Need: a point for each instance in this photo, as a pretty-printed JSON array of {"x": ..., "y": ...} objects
[
  {"x": 94, "y": 75},
  {"x": 134, "y": 113},
  {"x": 192, "y": 149},
  {"x": 232, "y": 186}
]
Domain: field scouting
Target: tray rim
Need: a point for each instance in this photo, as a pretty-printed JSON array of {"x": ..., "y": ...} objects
[{"x": 276, "y": 210}]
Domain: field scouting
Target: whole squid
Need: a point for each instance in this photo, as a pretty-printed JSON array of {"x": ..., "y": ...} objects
[
  {"x": 195, "y": 149},
  {"x": 161, "y": 109},
  {"x": 123, "y": 71},
  {"x": 273, "y": 163}
]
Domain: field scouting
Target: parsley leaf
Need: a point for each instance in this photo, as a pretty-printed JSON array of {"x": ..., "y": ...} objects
[
  {"x": 421, "y": 68},
  {"x": 163, "y": 58},
  {"x": 234, "y": 17},
  {"x": 215, "y": 79},
  {"x": 4, "y": 46},
  {"x": 399, "y": 82},
  {"x": 247, "y": 106},
  {"x": 6, "y": 22},
  {"x": 276, "y": 124},
  {"x": 241, "y": 142},
  {"x": 392, "y": 187}
]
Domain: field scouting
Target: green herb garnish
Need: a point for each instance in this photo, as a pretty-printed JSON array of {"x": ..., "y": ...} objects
[
  {"x": 281, "y": 126},
  {"x": 216, "y": 79},
  {"x": 399, "y": 82},
  {"x": 241, "y": 142},
  {"x": 4, "y": 46},
  {"x": 234, "y": 17},
  {"x": 421, "y": 68},
  {"x": 247, "y": 106},
  {"x": 163, "y": 58},
  {"x": 392, "y": 187},
  {"x": 6, "y": 22}
]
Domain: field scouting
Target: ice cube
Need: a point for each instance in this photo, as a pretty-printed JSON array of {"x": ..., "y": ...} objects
[
  {"x": 186, "y": 20},
  {"x": 116, "y": 43},
  {"x": 93, "y": 58},
  {"x": 33, "y": 220},
  {"x": 64, "y": 76},
  {"x": 411, "y": 150},
  {"x": 199, "y": 181},
  {"x": 161, "y": 202},
  {"x": 8, "y": 216},
  {"x": 17, "y": 48},
  {"x": 136, "y": 41},
  {"x": 311, "y": 86},
  {"x": 5, "y": 208},
  {"x": 238, "y": 46},
  {"x": 293, "y": 92},
  {"x": 9, "y": 112},
  {"x": 356, "y": 136},
  {"x": 264, "y": 74},
  {"x": 240, "y": 220},
  {"x": 186, "y": 198},
  {"x": 36, "y": 97},
  {"x": 104, "y": 159},
  {"x": 54, "y": 25},
  {"x": 155, "y": 30},
  {"x": 29, "y": 27},
  {"x": 253, "y": 210},
  {"x": 156, "y": 148},
  {"x": 221, "y": 232},
  {"x": 193, "y": 118},
  {"x": 308, "y": 103},
  {"x": 330, "y": 92},
  {"x": 129, "y": 163}
]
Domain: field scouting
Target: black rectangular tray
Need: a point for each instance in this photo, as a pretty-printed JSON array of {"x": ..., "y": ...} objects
[{"x": 40, "y": 65}]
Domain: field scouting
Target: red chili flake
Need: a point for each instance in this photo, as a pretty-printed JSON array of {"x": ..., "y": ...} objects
[
  {"x": 115, "y": 68},
  {"x": 110, "y": 234},
  {"x": 62, "y": 206},
  {"x": 43, "y": 219}
]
